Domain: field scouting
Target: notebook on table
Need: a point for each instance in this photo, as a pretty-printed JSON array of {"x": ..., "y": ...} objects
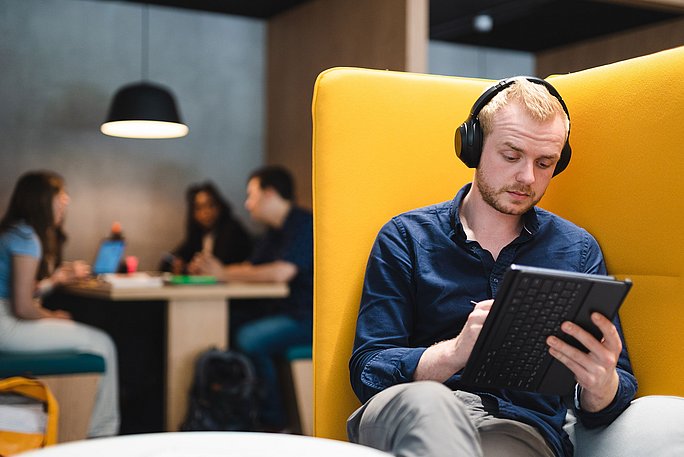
[{"x": 511, "y": 350}]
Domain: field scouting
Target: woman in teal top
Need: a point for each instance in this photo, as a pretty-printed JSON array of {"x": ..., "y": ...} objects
[{"x": 30, "y": 265}]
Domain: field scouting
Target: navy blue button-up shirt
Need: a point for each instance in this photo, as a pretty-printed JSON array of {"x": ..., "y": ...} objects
[
  {"x": 293, "y": 242},
  {"x": 421, "y": 276}
]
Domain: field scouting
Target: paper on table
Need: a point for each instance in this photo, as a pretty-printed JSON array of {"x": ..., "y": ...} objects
[{"x": 132, "y": 280}]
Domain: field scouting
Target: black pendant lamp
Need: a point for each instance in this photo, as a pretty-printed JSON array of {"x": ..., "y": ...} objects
[{"x": 144, "y": 110}]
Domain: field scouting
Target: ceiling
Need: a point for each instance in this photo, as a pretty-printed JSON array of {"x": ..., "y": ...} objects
[{"x": 524, "y": 25}]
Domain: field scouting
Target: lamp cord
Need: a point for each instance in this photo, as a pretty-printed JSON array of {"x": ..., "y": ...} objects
[{"x": 144, "y": 54}]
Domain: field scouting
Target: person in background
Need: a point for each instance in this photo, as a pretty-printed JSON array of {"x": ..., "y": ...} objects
[
  {"x": 285, "y": 254},
  {"x": 211, "y": 228},
  {"x": 31, "y": 266}
]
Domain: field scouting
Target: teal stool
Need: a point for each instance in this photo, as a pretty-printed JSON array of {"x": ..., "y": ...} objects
[
  {"x": 301, "y": 369},
  {"x": 71, "y": 376},
  {"x": 299, "y": 352},
  {"x": 48, "y": 363}
]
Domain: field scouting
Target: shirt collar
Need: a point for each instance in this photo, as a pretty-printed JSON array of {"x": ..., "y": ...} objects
[{"x": 530, "y": 219}]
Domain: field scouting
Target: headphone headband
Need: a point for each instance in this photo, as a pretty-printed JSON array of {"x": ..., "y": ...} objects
[{"x": 469, "y": 136}]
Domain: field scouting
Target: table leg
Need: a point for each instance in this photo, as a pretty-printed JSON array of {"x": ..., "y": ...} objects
[{"x": 193, "y": 326}]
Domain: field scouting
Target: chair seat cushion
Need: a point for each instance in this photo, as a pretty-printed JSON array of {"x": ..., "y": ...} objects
[
  {"x": 299, "y": 352},
  {"x": 49, "y": 363}
]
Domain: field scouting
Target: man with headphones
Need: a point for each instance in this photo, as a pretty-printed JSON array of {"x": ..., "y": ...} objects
[{"x": 430, "y": 282}]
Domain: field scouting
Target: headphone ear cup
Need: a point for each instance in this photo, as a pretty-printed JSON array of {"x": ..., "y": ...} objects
[
  {"x": 468, "y": 142},
  {"x": 460, "y": 140},
  {"x": 564, "y": 160}
]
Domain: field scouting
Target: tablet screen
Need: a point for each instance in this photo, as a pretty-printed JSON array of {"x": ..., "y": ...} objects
[{"x": 109, "y": 256}]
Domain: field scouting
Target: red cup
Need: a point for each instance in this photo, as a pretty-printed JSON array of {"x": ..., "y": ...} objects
[{"x": 131, "y": 264}]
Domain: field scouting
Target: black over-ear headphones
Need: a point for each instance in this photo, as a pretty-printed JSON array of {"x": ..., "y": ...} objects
[{"x": 468, "y": 139}]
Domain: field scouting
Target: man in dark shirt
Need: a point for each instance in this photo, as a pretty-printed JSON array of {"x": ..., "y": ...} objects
[
  {"x": 285, "y": 254},
  {"x": 417, "y": 325}
]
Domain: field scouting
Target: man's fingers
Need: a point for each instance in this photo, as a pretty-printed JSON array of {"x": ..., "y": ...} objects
[{"x": 611, "y": 338}]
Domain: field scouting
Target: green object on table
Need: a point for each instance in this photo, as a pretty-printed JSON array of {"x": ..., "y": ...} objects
[{"x": 192, "y": 279}]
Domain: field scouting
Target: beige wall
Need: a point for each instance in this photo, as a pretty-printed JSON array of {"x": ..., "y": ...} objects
[
  {"x": 614, "y": 48},
  {"x": 383, "y": 34}
]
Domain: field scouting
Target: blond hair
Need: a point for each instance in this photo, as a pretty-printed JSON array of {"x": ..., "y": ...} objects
[{"x": 535, "y": 98}]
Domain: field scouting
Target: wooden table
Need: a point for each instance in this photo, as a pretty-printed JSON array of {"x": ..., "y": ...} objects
[{"x": 197, "y": 319}]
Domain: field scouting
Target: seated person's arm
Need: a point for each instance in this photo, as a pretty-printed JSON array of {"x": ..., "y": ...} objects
[
  {"x": 23, "y": 285},
  {"x": 388, "y": 349},
  {"x": 66, "y": 273},
  {"x": 440, "y": 361},
  {"x": 277, "y": 271},
  {"x": 70, "y": 271},
  {"x": 606, "y": 383},
  {"x": 595, "y": 371},
  {"x": 383, "y": 353}
]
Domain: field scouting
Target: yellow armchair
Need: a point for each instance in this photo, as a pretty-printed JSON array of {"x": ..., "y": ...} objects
[{"x": 383, "y": 144}]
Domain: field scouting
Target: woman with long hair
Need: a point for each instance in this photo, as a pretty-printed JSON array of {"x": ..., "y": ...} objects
[
  {"x": 211, "y": 228},
  {"x": 31, "y": 264}
]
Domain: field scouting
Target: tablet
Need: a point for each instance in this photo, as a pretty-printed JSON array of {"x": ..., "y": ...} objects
[{"x": 531, "y": 304}]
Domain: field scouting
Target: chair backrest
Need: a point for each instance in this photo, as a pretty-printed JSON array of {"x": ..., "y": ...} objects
[{"x": 383, "y": 144}]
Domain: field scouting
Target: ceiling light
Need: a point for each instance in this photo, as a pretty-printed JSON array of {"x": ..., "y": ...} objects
[
  {"x": 144, "y": 110},
  {"x": 483, "y": 23}
]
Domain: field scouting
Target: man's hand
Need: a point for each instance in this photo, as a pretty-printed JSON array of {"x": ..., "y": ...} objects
[
  {"x": 176, "y": 265},
  {"x": 206, "y": 264},
  {"x": 465, "y": 341},
  {"x": 57, "y": 314},
  {"x": 595, "y": 371},
  {"x": 440, "y": 361}
]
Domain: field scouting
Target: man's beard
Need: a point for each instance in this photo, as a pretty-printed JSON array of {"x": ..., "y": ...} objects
[{"x": 492, "y": 196}]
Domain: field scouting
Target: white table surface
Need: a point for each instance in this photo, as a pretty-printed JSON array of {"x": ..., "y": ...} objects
[{"x": 207, "y": 444}]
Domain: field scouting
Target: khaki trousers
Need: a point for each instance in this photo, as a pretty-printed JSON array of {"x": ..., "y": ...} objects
[{"x": 426, "y": 418}]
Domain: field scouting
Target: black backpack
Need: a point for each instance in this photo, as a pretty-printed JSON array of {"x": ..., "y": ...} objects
[{"x": 224, "y": 393}]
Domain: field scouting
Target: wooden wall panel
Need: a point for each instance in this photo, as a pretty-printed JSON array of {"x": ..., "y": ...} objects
[
  {"x": 382, "y": 34},
  {"x": 615, "y": 48}
]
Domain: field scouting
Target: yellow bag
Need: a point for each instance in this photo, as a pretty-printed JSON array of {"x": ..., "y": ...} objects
[{"x": 14, "y": 442}]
